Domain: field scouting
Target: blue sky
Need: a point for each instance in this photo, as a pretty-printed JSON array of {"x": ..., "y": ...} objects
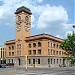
[{"x": 54, "y": 17}]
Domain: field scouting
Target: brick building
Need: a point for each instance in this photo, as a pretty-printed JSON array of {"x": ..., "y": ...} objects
[{"x": 41, "y": 49}]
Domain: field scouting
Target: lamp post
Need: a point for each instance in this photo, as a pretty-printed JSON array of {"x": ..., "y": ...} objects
[{"x": 73, "y": 27}]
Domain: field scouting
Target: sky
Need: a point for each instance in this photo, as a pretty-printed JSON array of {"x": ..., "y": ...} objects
[{"x": 54, "y": 17}]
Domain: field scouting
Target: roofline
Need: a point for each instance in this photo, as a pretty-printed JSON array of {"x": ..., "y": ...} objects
[
  {"x": 10, "y": 40},
  {"x": 45, "y": 34}
]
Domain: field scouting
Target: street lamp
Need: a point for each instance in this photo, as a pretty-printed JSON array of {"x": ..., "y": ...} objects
[{"x": 73, "y": 27}]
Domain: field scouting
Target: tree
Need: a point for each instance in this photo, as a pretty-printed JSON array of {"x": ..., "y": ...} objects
[{"x": 69, "y": 46}]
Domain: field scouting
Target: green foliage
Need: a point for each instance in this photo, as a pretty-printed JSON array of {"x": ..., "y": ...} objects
[{"x": 69, "y": 46}]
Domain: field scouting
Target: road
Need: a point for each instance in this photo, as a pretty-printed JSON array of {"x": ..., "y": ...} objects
[{"x": 38, "y": 71}]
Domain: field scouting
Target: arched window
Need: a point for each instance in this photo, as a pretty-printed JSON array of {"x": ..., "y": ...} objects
[
  {"x": 57, "y": 45},
  {"x": 9, "y": 48},
  {"x": 30, "y": 46},
  {"x": 54, "y": 45},
  {"x": 51, "y": 44},
  {"x": 39, "y": 44},
  {"x": 34, "y": 44},
  {"x": 12, "y": 47}
]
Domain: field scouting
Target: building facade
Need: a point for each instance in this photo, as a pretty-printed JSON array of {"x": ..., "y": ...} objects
[
  {"x": 41, "y": 49},
  {"x": 2, "y": 55}
]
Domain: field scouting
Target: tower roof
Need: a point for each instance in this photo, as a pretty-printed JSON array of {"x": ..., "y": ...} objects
[{"x": 23, "y": 8}]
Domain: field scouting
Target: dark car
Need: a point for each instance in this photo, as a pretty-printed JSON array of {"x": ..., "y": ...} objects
[{"x": 2, "y": 65}]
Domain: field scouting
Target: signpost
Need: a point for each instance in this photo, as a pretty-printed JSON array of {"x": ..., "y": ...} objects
[{"x": 26, "y": 61}]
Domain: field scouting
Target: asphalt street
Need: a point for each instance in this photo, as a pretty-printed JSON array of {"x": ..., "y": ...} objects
[{"x": 38, "y": 71}]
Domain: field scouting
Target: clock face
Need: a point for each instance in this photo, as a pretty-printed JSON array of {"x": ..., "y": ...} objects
[
  {"x": 26, "y": 19},
  {"x": 27, "y": 28},
  {"x": 19, "y": 20},
  {"x": 18, "y": 28}
]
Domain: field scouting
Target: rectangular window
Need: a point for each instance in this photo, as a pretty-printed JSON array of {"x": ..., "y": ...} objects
[
  {"x": 34, "y": 52},
  {"x": 39, "y": 51},
  {"x": 57, "y": 52},
  {"x": 54, "y": 61},
  {"x": 49, "y": 51},
  {"x": 12, "y": 60},
  {"x": 51, "y": 61},
  {"x": 62, "y": 53},
  {"x": 38, "y": 61},
  {"x": 57, "y": 61},
  {"x": 9, "y": 53},
  {"x": 54, "y": 52},
  {"x": 17, "y": 52},
  {"x": 9, "y": 60},
  {"x": 60, "y": 61},
  {"x": 29, "y": 61},
  {"x": 12, "y": 53},
  {"x": 33, "y": 61},
  {"x": 29, "y": 52},
  {"x": 48, "y": 61},
  {"x": 1, "y": 53}
]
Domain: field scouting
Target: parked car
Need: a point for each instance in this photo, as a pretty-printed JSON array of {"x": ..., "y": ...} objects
[
  {"x": 10, "y": 64},
  {"x": 2, "y": 65},
  {"x": 63, "y": 65}
]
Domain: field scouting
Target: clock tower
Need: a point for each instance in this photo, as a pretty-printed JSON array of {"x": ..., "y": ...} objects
[
  {"x": 23, "y": 27},
  {"x": 23, "y": 22}
]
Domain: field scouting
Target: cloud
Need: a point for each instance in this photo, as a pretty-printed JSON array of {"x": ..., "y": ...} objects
[
  {"x": 39, "y": 1},
  {"x": 1, "y": 3},
  {"x": 52, "y": 17},
  {"x": 59, "y": 36}
]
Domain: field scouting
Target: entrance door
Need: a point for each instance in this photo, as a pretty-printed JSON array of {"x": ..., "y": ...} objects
[{"x": 19, "y": 61}]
